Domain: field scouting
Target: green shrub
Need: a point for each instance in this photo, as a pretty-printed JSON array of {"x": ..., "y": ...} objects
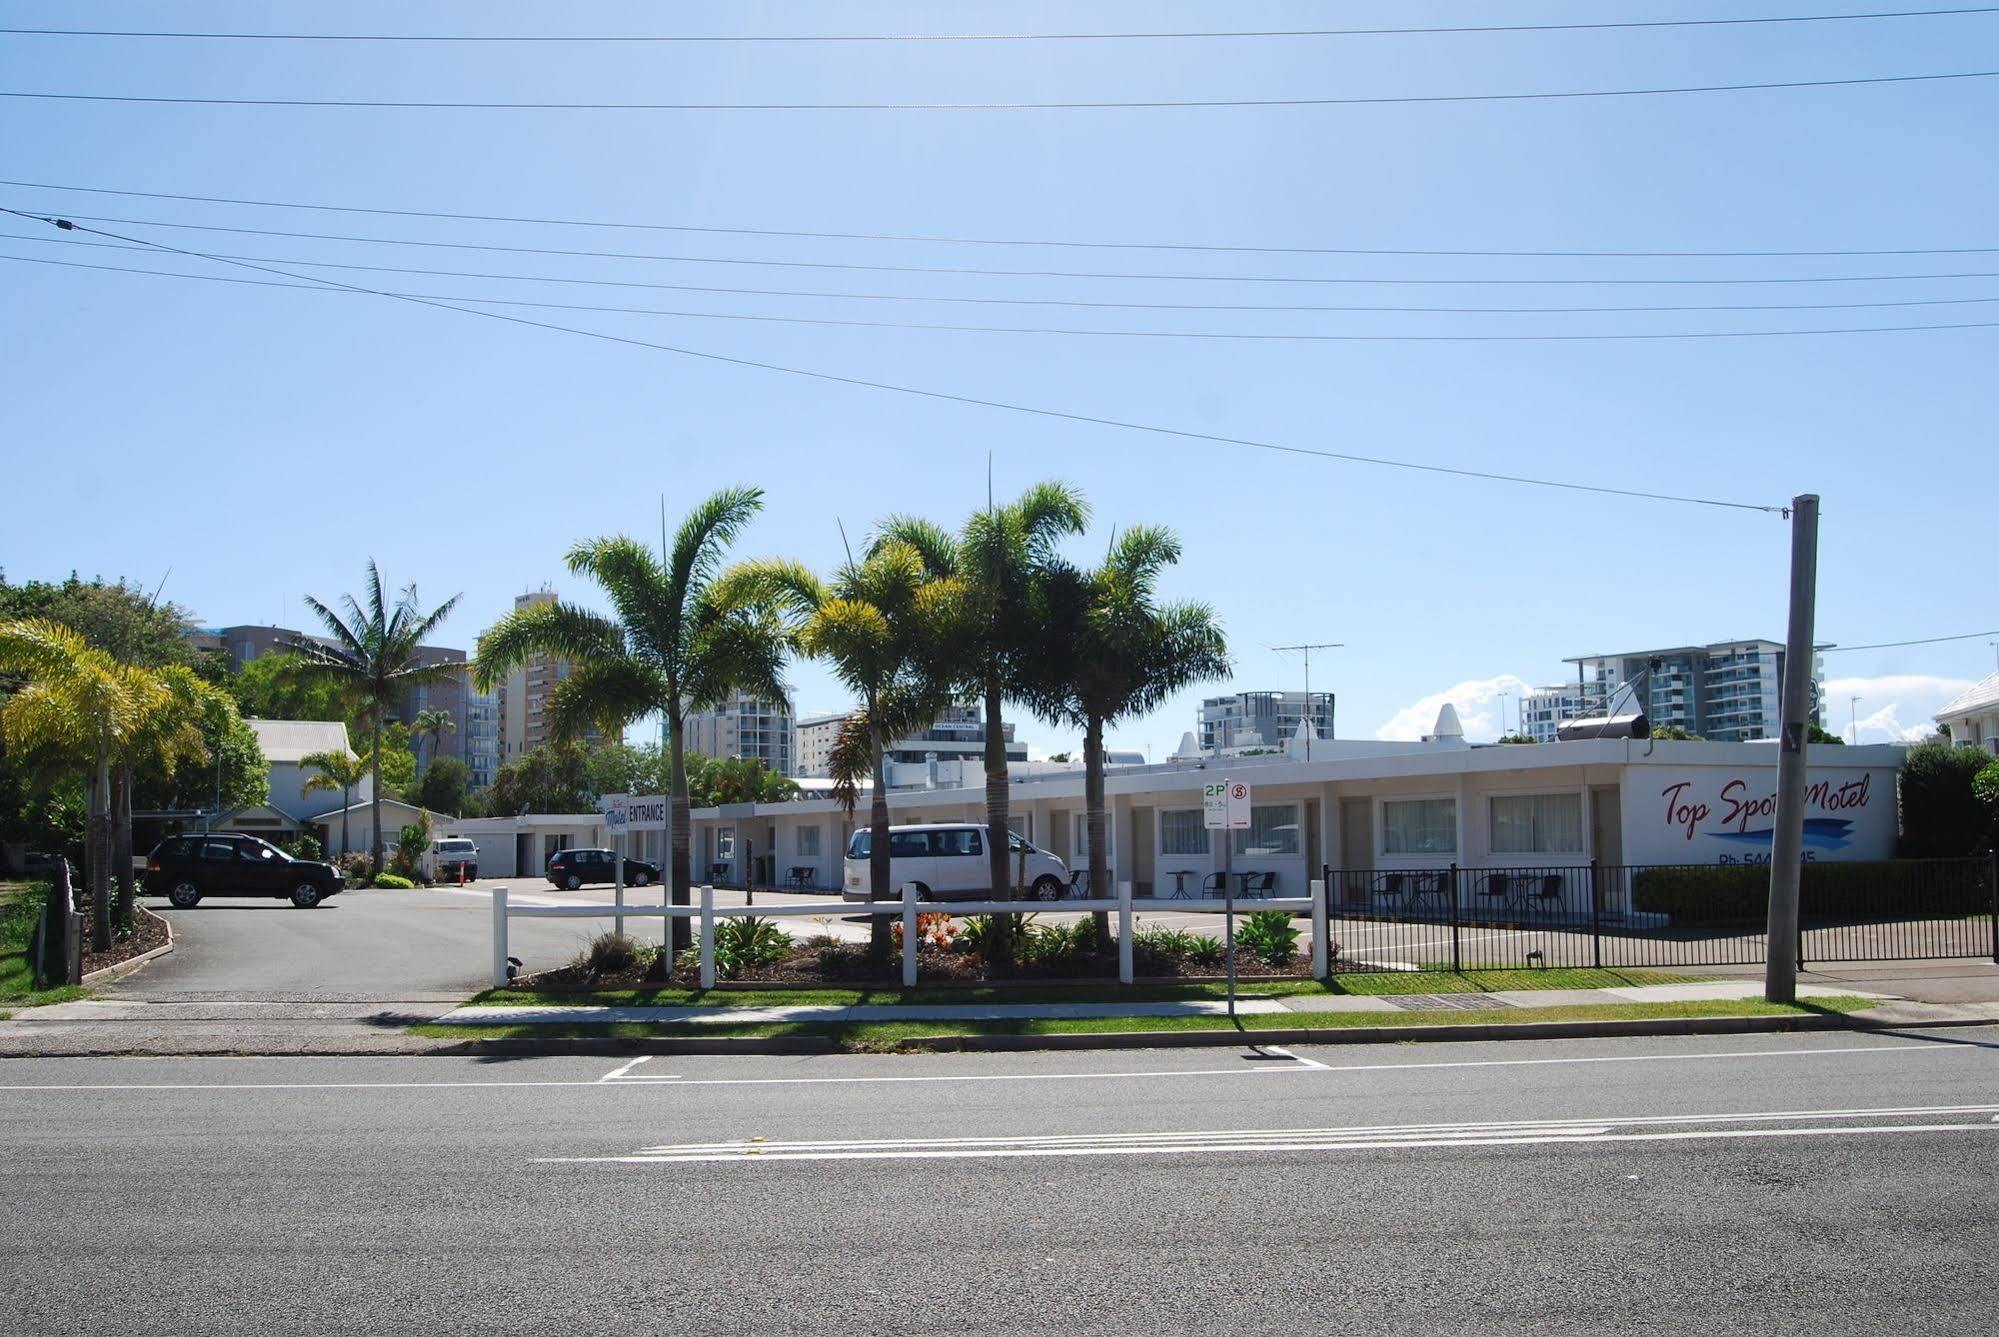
[
  {"x": 1942, "y": 817},
  {"x": 1740, "y": 893},
  {"x": 741, "y": 944},
  {"x": 608, "y": 954},
  {"x": 302, "y": 845},
  {"x": 1206, "y": 950},
  {"x": 1269, "y": 936},
  {"x": 985, "y": 936},
  {"x": 393, "y": 882}
]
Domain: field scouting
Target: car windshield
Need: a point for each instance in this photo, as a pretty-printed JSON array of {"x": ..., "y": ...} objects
[
  {"x": 860, "y": 845},
  {"x": 455, "y": 847}
]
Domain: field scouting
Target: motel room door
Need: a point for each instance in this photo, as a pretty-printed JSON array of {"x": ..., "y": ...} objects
[
  {"x": 1356, "y": 848},
  {"x": 1606, "y": 825}
]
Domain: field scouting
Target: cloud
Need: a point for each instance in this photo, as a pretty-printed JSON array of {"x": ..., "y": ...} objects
[
  {"x": 1478, "y": 707},
  {"x": 1901, "y": 706}
]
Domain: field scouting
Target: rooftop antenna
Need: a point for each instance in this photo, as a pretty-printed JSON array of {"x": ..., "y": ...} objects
[
  {"x": 157, "y": 588},
  {"x": 1308, "y": 649}
]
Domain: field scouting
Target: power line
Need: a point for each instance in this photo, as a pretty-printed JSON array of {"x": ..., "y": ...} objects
[
  {"x": 1145, "y": 104},
  {"x": 986, "y": 241},
  {"x": 942, "y": 396},
  {"x": 932, "y": 327},
  {"x": 1004, "y": 301},
  {"x": 982, "y": 272},
  {"x": 762, "y": 38},
  {"x": 1896, "y": 645}
]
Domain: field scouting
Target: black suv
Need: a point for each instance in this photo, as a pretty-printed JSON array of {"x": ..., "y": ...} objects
[
  {"x": 573, "y": 868},
  {"x": 185, "y": 868}
]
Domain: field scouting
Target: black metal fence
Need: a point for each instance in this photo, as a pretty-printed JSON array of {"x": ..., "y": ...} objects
[{"x": 1576, "y": 915}]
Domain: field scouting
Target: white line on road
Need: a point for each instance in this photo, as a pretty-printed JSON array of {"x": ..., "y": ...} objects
[
  {"x": 1644, "y": 1128},
  {"x": 1300, "y": 1065}
]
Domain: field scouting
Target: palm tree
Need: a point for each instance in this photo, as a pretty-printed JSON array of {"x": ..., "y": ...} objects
[
  {"x": 336, "y": 770},
  {"x": 77, "y": 707},
  {"x": 173, "y": 726},
  {"x": 995, "y": 562},
  {"x": 878, "y": 624},
  {"x": 1113, "y": 653},
  {"x": 374, "y": 658},
  {"x": 432, "y": 724},
  {"x": 684, "y": 638}
]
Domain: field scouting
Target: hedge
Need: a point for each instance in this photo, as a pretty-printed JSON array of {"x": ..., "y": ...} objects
[{"x": 1739, "y": 893}]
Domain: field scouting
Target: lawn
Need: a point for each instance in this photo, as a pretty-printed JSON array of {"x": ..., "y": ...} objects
[
  {"x": 876, "y": 1036},
  {"x": 20, "y": 904},
  {"x": 1357, "y": 982}
]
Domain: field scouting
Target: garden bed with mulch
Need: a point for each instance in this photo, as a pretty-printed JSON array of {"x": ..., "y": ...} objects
[
  {"x": 148, "y": 931},
  {"x": 846, "y": 964}
]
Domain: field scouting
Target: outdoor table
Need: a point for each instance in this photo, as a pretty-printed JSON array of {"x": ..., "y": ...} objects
[
  {"x": 1429, "y": 887},
  {"x": 1180, "y": 876}
]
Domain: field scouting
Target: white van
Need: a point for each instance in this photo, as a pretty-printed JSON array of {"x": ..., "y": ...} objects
[
  {"x": 448, "y": 856},
  {"x": 947, "y": 861}
]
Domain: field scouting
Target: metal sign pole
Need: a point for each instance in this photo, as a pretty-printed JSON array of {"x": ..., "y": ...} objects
[{"x": 1228, "y": 911}]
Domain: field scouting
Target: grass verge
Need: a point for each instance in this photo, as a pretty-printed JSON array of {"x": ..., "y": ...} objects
[
  {"x": 1385, "y": 982},
  {"x": 876, "y": 1036},
  {"x": 20, "y": 906}
]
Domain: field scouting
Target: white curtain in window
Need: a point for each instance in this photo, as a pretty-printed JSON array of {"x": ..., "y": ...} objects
[
  {"x": 808, "y": 842},
  {"x": 1273, "y": 829},
  {"x": 1419, "y": 826},
  {"x": 1181, "y": 832},
  {"x": 1537, "y": 824}
]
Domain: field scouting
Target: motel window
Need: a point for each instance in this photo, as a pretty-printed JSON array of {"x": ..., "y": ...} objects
[
  {"x": 1273, "y": 829},
  {"x": 1537, "y": 824},
  {"x": 725, "y": 842},
  {"x": 1181, "y": 832},
  {"x": 1419, "y": 826},
  {"x": 808, "y": 842}
]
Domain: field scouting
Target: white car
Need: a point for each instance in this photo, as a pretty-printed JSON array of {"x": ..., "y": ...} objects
[{"x": 948, "y": 861}]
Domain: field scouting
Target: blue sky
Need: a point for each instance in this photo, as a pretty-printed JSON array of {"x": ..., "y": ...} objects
[{"x": 262, "y": 443}]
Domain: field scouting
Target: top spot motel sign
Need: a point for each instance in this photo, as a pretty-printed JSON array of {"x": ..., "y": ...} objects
[{"x": 1225, "y": 805}]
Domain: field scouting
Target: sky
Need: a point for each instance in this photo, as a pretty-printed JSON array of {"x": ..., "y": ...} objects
[{"x": 248, "y": 445}]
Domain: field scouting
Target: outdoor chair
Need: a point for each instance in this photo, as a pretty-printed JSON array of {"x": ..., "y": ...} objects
[
  {"x": 1212, "y": 884},
  {"x": 718, "y": 873},
  {"x": 1497, "y": 894},
  {"x": 1547, "y": 897},
  {"x": 1079, "y": 885},
  {"x": 800, "y": 877},
  {"x": 1392, "y": 888},
  {"x": 1259, "y": 884}
]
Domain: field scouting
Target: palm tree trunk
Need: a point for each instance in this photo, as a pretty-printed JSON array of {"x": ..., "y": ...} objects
[
  {"x": 375, "y": 799},
  {"x": 879, "y": 873},
  {"x": 1093, "y": 804},
  {"x": 121, "y": 844},
  {"x": 681, "y": 874},
  {"x": 346, "y": 802},
  {"x": 996, "y": 814},
  {"x": 99, "y": 856}
]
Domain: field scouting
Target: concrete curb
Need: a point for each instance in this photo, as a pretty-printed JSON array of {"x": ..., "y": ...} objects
[
  {"x": 1374, "y": 1035},
  {"x": 131, "y": 965}
]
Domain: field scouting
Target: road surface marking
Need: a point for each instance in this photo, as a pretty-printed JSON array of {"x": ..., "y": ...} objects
[
  {"x": 1300, "y": 1066},
  {"x": 623, "y": 1073},
  {"x": 1660, "y": 1128}
]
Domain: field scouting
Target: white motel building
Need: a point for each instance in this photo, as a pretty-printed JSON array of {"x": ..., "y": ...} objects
[{"x": 1357, "y": 806}]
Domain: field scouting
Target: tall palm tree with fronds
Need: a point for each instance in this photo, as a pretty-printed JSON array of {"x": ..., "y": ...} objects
[
  {"x": 176, "y": 717},
  {"x": 685, "y": 636},
  {"x": 995, "y": 563},
  {"x": 1113, "y": 652},
  {"x": 340, "y": 771},
  {"x": 373, "y": 659},
  {"x": 77, "y": 708},
  {"x": 432, "y": 724},
  {"x": 879, "y": 623}
]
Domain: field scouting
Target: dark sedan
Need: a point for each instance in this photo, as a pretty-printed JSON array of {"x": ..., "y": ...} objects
[
  {"x": 185, "y": 868},
  {"x": 574, "y": 868}
]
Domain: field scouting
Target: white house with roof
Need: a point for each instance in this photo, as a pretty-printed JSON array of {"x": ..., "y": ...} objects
[
  {"x": 290, "y": 810},
  {"x": 1973, "y": 718}
]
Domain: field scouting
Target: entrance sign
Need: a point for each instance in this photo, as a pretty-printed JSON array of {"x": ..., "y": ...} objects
[
  {"x": 645, "y": 812},
  {"x": 1225, "y": 805}
]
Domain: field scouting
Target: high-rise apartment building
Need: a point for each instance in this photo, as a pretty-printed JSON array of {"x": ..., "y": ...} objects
[
  {"x": 957, "y": 734},
  {"x": 1262, "y": 719},
  {"x": 746, "y": 727},
  {"x": 522, "y": 700},
  {"x": 1728, "y": 691}
]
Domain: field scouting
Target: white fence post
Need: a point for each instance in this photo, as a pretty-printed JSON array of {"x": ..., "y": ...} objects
[
  {"x": 1124, "y": 943},
  {"x": 909, "y": 935},
  {"x": 499, "y": 937},
  {"x": 707, "y": 936},
  {"x": 1322, "y": 960}
]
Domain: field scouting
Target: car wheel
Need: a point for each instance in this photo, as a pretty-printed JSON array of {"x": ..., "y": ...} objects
[
  {"x": 572, "y": 882},
  {"x": 306, "y": 895},
  {"x": 183, "y": 895},
  {"x": 640, "y": 878},
  {"x": 924, "y": 893},
  {"x": 1047, "y": 887}
]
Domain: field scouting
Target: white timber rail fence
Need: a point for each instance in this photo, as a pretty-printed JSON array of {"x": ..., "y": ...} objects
[{"x": 706, "y": 912}]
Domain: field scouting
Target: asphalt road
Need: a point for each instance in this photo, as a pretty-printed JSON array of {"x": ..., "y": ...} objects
[{"x": 1772, "y": 1184}]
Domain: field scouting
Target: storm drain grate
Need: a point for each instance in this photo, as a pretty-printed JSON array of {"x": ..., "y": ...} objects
[{"x": 1448, "y": 1002}]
